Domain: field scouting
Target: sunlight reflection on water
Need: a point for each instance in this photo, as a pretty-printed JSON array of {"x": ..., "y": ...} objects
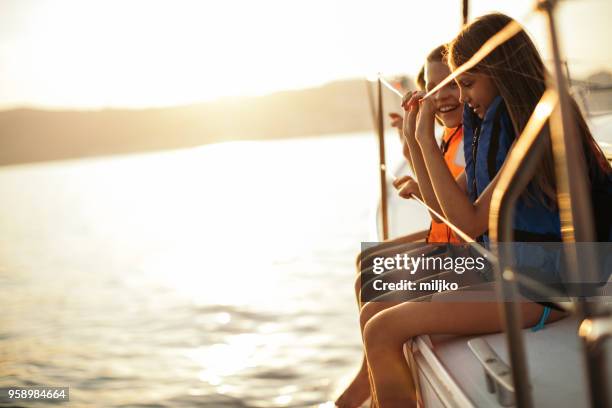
[{"x": 216, "y": 276}]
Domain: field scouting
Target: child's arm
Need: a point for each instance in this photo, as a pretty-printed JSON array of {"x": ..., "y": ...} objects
[
  {"x": 425, "y": 187},
  {"x": 462, "y": 181},
  {"x": 407, "y": 187},
  {"x": 472, "y": 218}
]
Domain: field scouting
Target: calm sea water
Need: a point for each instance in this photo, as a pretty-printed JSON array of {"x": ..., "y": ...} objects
[{"x": 219, "y": 276}]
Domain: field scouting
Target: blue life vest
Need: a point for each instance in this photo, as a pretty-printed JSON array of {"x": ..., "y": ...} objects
[{"x": 487, "y": 143}]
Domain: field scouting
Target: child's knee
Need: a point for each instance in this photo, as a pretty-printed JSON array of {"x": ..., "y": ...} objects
[
  {"x": 374, "y": 333},
  {"x": 365, "y": 314},
  {"x": 381, "y": 330},
  {"x": 368, "y": 311},
  {"x": 358, "y": 285},
  {"x": 358, "y": 261}
]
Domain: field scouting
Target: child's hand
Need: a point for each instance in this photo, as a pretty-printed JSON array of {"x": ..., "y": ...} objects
[
  {"x": 411, "y": 99},
  {"x": 397, "y": 121},
  {"x": 411, "y": 107},
  {"x": 407, "y": 186},
  {"x": 427, "y": 107},
  {"x": 424, "y": 132}
]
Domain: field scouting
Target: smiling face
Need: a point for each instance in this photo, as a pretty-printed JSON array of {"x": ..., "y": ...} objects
[
  {"x": 446, "y": 100},
  {"x": 477, "y": 90}
]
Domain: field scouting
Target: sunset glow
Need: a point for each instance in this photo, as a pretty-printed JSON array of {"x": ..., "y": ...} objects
[{"x": 81, "y": 54}]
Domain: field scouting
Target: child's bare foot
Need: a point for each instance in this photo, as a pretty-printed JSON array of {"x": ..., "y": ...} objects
[{"x": 357, "y": 392}]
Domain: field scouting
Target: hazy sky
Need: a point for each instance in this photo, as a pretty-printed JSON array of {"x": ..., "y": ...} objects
[{"x": 106, "y": 53}]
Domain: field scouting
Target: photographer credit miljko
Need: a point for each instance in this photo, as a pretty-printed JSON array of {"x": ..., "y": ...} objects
[{"x": 412, "y": 264}]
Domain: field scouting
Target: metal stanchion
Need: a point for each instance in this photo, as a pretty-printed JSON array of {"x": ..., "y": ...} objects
[
  {"x": 519, "y": 168},
  {"x": 575, "y": 210},
  {"x": 382, "y": 164}
]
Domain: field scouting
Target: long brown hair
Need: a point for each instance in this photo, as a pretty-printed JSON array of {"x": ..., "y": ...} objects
[{"x": 518, "y": 72}]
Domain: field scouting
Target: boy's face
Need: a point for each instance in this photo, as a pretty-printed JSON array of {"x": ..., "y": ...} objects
[
  {"x": 477, "y": 90},
  {"x": 448, "y": 108}
]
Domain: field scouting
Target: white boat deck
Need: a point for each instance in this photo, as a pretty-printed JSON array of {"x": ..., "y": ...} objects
[{"x": 554, "y": 359}]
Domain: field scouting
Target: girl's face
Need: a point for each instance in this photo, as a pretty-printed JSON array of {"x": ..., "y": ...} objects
[
  {"x": 448, "y": 108},
  {"x": 477, "y": 90}
]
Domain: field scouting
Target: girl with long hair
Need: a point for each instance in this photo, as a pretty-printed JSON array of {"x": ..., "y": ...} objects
[{"x": 499, "y": 95}]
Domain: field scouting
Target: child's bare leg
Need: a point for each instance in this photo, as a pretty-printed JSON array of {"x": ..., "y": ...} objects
[
  {"x": 388, "y": 330},
  {"x": 379, "y": 304},
  {"x": 358, "y": 391}
]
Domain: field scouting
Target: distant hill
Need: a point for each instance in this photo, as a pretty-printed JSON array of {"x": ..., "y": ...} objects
[{"x": 28, "y": 135}]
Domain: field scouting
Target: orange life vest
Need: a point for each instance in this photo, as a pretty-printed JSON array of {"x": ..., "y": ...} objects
[{"x": 452, "y": 149}]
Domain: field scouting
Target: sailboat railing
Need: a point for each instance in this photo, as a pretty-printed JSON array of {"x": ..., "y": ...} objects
[
  {"x": 382, "y": 162},
  {"x": 575, "y": 210},
  {"x": 520, "y": 167}
]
